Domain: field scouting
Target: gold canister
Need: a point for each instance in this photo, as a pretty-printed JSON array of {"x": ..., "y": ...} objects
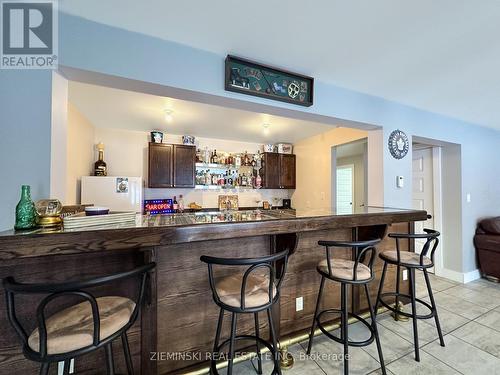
[{"x": 48, "y": 213}]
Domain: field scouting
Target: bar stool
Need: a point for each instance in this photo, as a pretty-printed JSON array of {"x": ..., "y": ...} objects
[
  {"x": 252, "y": 291},
  {"x": 347, "y": 272},
  {"x": 81, "y": 328},
  {"x": 412, "y": 261}
]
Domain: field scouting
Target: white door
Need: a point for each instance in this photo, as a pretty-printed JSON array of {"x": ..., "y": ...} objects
[
  {"x": 423, "y": 190},
  {"x": 345, "y": 184}
]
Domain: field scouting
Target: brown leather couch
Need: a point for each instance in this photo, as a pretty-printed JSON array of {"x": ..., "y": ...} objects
[{"x": 487, "y": 243}]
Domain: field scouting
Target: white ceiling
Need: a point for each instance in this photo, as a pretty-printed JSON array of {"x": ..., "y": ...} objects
[
  {"x": 442, "y": 56},
  {"x": 107, "y": 107}
]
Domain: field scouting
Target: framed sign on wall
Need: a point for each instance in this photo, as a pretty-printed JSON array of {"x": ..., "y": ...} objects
[{"x": 251, "y": 78}]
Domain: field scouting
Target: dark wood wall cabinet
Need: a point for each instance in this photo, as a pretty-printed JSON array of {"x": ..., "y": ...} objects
[
  {"x": 278, "y": 171},
  {"x": 171, "y": 166}
]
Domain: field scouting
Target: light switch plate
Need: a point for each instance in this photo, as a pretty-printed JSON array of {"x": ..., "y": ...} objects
[
  {"x": 400, "y": 182},
  {"x": 405, "y": 275}
]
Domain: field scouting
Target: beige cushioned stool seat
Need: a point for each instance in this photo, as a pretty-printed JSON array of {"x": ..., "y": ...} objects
[
  {"x": 256, "y": 290},
  {"x": 73, "y": 328},
  {"x": 407, "y": 257},
  {"x": 344, "y": 269}
]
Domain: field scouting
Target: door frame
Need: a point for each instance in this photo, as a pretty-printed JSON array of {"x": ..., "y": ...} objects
[
  {"x": 438, "y": 205},
  {"x": 333, "y": 172},
  {"x": 351, "y": 166},
  {"x": 437, "y": 200}
]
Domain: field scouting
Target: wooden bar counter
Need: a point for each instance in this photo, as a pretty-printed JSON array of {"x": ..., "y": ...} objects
[{"x": 177, "y": 325}]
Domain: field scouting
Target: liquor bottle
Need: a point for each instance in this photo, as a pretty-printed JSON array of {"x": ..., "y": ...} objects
[
  {"x": 206, "y": 157},
  {"x": 258, "y": 181},
  {"x": 100, "y": 168},
  {"x": 214, "y": 157},
  {"x": 246, "y": 160},
  {"x": 237, "y": 161},
  {"x": 181, "y": 203},
  {"x": 253, "y": 163},
  {"x": 208, "y": 178},
  {"x": 259, "y": 159},
  {"x": 176, "y": 205}
]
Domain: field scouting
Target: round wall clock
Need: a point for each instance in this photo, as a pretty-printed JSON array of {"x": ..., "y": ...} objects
[{"x": 398, "y": 144}]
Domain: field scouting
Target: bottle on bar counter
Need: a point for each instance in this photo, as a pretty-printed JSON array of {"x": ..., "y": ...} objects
[
  {"x": 100, "y": 168},
  {"x": 181, "y": 203},
  {"x": 175, "y": 205}
]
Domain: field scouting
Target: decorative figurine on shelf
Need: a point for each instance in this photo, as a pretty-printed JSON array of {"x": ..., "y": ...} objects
[{"x": 25, "y": 210}]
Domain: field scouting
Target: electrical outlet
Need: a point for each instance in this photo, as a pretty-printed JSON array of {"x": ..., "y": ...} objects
[
  {"x": 60, "y": 367},
  {"x": 299, "y": 304},
  {"x": 405, "y": 274}
]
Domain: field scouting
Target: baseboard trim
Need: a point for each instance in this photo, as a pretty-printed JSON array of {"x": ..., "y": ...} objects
[
  {"x": 471, "y": 276},
  {"x": 452, "y": 275},
  {"x": 459, "y": 277}
]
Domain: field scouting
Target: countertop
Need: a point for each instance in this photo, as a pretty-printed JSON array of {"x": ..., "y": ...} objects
[
  {"x": 212, "y": 217},
  {"x": 160, "y": 230}
]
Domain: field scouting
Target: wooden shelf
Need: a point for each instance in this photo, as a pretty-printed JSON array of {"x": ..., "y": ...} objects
[{"x": 220, "y": 166}]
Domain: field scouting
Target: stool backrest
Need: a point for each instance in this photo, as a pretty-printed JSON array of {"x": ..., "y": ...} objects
[
  {"x": 75, "y": 288},
  {"x": 431, "y": 243},
  {"x": 275, "y": 265},
  {"x": 367, "y": 247}
]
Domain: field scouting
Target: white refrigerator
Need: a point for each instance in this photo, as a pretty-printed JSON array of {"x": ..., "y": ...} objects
[{"x": 119, "y": 193}]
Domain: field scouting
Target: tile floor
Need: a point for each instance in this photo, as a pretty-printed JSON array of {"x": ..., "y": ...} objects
[{"x": 470, "y": 319}]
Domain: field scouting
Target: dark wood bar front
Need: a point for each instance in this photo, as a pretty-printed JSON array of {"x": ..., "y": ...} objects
[{"x": 178, "y": 321}]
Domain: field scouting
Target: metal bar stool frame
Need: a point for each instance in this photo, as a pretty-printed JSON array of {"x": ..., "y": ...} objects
[
  {"x": 76, "y": 288},
  {"x": 269, "y": 263},
  {"x": 366, "y": 247},
  {"x": 431, "y": 244}
]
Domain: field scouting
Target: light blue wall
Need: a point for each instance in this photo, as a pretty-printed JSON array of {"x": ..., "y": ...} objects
[
  {"x": 108, "y": 50},
  {"x": 25, "y": 112},
  {"x": 94, "y": 47}
]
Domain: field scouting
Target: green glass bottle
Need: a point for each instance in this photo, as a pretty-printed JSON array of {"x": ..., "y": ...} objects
[{"x": 25, "y": 210}]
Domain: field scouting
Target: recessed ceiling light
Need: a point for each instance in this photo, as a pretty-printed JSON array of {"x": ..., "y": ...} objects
[{"x": 168, "y": 115}]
